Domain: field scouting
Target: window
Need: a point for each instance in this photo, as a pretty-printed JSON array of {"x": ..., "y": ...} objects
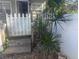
[{"x": 23, "y": 7}]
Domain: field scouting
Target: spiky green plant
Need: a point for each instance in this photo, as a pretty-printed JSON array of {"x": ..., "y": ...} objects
[
  {"x": 49, "y": 42},
  {"x": 57, "y": 9}
]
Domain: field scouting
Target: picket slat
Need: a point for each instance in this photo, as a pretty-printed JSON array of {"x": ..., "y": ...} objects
[{"x": 18, "y": 25}]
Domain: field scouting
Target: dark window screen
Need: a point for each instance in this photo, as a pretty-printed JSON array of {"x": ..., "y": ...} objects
[{"x": 23, "y": 7}]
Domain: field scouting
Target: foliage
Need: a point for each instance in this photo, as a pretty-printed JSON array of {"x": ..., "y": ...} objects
[
  {"x": 49, "y": 41},
  {"x": 5, "y": 45},
  {"x": 58, "y": 11},
  {"x": 72, "y": 7}
]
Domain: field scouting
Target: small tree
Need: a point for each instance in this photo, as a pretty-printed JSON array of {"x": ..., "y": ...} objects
[{"x": 48, "y": 41}]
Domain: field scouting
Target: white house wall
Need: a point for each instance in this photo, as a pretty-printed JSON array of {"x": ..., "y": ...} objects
[{"x": 70, "y": 37}]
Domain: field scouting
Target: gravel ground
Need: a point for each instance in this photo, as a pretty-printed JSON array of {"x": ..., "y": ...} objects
[{"x": 24, "y": 56}]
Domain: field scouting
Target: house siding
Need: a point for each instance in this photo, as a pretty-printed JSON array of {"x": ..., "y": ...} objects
[
  {"x": 13, "y": 5},
  {"x": 10, "y": 7}
]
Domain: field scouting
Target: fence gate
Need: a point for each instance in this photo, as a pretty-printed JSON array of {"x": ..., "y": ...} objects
[{"x": 18, "y": 25}]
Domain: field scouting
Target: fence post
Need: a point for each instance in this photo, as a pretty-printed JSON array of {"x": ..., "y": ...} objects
[
  {"x": 15, "y": 24},
  {"x": 11, "y": 24},
  {"x": 29, "y": 24},
  {"x": 23, "y": 21},
  {"x": 26, "y": 23}
]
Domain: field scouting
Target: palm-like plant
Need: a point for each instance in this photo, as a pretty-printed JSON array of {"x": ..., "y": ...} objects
[
  {"x": 57, "y": 9},
  {"x": 48, "y": 41}
]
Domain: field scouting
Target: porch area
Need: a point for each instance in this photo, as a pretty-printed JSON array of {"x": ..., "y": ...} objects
[
  {"x": 35, "y": 29},
  {"x": 19, "y": 24}
]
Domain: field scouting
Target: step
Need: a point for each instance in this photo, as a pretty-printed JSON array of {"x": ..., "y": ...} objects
[
  {"x": 37, "y": 1},
  {"x": 19, "y": 37},
  {"x": 15, "y": 50},
  {"x": 20, "y": 42}
]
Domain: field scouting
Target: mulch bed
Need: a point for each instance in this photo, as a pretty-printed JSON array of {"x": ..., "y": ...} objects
[{"x": 26, "y": 56}]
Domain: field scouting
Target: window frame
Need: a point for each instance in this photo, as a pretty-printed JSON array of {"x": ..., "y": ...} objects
[{"x": 27, "y": 5}]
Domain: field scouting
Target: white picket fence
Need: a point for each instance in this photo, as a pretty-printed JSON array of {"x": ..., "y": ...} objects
[{"x": 18, "y": 25}]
